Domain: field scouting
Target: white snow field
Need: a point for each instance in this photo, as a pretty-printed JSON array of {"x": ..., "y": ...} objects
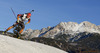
[{"x": 13, "y": 45}]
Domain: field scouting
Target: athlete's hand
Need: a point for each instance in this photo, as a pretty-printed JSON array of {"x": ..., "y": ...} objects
[{"x": 18, "y": 21}]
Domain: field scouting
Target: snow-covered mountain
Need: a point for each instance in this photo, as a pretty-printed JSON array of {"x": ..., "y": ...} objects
[
  {"x": 13, "y": 45},
  {"x": 63, "y": 28}
]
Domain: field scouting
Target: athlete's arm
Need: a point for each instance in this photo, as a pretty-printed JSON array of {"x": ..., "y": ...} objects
[
  {"x": 28, "y": 21},
  {"x": 18, "y": 16}
]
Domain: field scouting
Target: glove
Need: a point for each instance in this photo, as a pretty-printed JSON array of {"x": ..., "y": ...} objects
[{"x": 18, "y": 21}]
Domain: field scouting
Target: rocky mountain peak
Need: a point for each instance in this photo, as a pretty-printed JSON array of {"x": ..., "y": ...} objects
[
  {"x": 88, "y": 27},
  {"x": 67, "y": 23},
  {"x": 64, "y": 28},
  {"x": 87, "y": 24}
]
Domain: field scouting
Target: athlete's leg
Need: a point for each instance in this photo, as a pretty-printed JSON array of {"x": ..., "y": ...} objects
[
  {"x": 10, "y": 27},
  {"x": 22, "y": 25}
]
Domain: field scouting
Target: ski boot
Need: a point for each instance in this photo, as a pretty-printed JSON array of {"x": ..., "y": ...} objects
[
  {"x": 19, "y": 36},
  {"x": 4, "y": 32}
]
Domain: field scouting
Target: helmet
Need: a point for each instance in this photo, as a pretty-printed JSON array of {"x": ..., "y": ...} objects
[{"x": 28, "y": 14}]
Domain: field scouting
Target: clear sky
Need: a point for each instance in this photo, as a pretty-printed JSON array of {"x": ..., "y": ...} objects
[{"x": 50, "y": 12}]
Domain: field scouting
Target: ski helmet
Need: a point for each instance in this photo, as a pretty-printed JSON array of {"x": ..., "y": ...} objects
[{"x": 28, "y": 14}]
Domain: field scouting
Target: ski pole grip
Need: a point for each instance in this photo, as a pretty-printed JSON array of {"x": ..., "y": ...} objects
[{"x": 32, "y": 10}]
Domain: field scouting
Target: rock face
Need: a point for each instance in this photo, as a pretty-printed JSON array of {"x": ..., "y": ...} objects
[
  {"x": 91, "y": 43},
  {"x": 29, "y": 34},
  {"x": 63, "y": 28}
]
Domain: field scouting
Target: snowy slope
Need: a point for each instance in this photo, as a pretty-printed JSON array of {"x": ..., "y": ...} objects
[{"x": 13, "y": 45}]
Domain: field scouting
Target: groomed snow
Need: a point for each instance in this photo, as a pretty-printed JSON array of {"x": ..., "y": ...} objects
[{"x": 13, "y": 45}]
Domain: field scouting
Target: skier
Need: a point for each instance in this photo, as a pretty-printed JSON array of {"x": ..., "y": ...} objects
[{"x": 21, "y": 18}]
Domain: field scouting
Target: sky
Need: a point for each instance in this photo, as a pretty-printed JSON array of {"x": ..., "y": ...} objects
[{"x": 49, "y": 12}]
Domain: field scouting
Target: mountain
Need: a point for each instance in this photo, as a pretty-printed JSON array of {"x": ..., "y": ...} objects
[
  {"x": 71, "y": 29},
  {"x": 13, "y": 45},
  {"x": 87, "y": 45},
  {"x": 91, "y": 42},
  {"x": 68, "y": 36}
]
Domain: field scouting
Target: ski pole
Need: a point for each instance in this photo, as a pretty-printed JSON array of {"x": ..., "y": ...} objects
[
  {"x": 31, "y": 11},
  {"x": 14, "y": 13}
]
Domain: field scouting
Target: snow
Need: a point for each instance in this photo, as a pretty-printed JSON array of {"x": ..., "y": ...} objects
[
  {"x": 13, "y": 45},
  {"x": 82, "y": 27}
]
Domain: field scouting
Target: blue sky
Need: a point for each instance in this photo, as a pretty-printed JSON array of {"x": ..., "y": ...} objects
[{"x": 50, "y": 12}]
